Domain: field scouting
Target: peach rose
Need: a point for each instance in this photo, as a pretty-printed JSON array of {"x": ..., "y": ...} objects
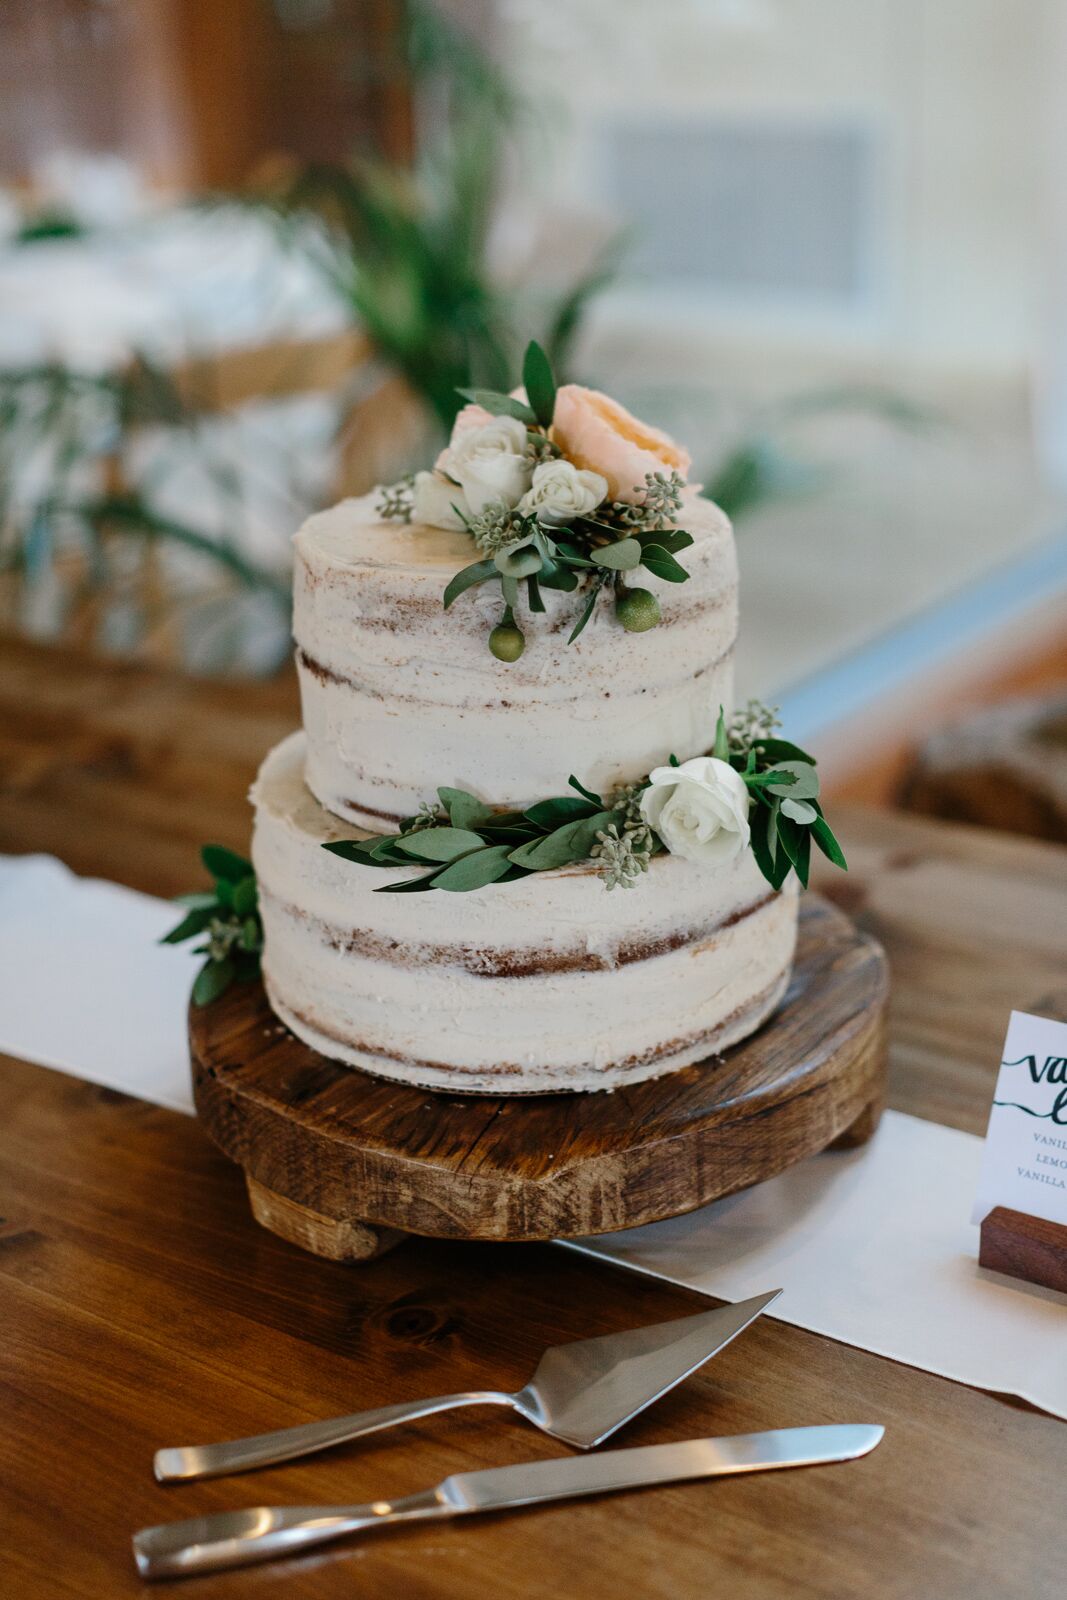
[{"x": 599, "y": 435}]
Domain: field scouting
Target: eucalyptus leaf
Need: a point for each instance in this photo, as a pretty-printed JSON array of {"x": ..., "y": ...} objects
[
  {"x": 794, "y": 844},
  {"x": 775, "y": 750},
  {"x": 557, "y": 577},
  {"x": 410, "y": 885},
  {"x": 677, "y": 539},
  {"x": 439, "y": 844},
  {"x": 194, "y": 922},
  {"x": 803, "y": 857},
  {"x": 477, "y": 572},
  {"x": 569, "y": 552},
  {"x": 539, "y": 383},
  {"x": 213, "y": 979},
  {"x": 583, "y": 833},
  {"x": 464, "y": 810},
  {"x": 761, "y": 849},
  {"x": 534, "y": 592},
  {"x": 499, "y": 405},
  {"x": 518, "y": 561},
  {"x": 509, "y": 586},
  {"x": 358, "y": 850},
  {"x": 475, "y": 870},
  {"x": 586, "y": 613},
  {"x": 721, "y": 748},
  {"x": 504, "y": 819},
  {"x": 799, "y": 810},
  {"x": 800, "y": 780},
  {"x": 622, "y": 556},
  {"x": 571, "y": 842},
  {"x": 823, "y": 835},
  {"x": 544, "y": 853},
  {"x": 552, "y": 814},
  {"x": 224, "y": 863},
  {"x": 588, "y": 793},
  {"x": 662, "y": 564},
  {"x": 672, "y": 539},
  {"x": 245, "y": 896}
]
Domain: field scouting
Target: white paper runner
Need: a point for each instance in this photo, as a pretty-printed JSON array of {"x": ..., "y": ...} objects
[
  {"x": 85, "y": 985},
  {"x": 872, "y": 1246}
]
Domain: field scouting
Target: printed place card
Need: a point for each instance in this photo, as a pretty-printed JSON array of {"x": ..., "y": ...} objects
[{"x": 1024, "y": 1165}]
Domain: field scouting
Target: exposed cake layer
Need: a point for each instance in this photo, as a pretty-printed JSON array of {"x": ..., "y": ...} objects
[
  {"x": 548, "y": 983},
  {"x": 400, "y": 695}
]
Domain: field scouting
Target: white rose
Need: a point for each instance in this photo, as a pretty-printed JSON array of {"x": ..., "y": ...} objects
[
  {"x": 699, "y": 810},
  {"x": 490, "y": 463},
  {"x": 438, "y": 502},
  {"x": 560, "y": 491}
]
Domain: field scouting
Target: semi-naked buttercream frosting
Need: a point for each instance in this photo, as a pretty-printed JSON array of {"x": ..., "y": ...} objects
[
  {"x": 547, "y": 983},
  {"x": 400, "y": 696}
]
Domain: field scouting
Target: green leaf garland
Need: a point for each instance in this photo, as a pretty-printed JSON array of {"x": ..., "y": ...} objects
[{"x": 478, "y": 846}]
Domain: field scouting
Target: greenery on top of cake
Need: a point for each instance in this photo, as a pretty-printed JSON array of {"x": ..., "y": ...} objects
[{"x": 559, "y": 488}]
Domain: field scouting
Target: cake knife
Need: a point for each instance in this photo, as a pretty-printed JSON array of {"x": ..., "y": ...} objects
[
  {"x": 581, "y": 1393},
  {"x": 237, "y": 1538}
]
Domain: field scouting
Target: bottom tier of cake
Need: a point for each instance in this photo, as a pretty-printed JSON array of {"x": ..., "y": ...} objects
[{"x": 544, "y": 985}]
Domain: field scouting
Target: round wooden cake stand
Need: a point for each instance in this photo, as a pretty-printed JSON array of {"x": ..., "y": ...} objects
[{"x": 344, "y": 1164}]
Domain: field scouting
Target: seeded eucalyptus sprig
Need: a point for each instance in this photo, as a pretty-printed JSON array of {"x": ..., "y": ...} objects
[
  {"x": 396, "y": 501},
  {"x": 228, "y": 918},
  {"x": 593, "y": 553}
]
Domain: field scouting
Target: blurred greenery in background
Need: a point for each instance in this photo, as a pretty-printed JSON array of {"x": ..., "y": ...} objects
[{"x": 407, "y": 249}]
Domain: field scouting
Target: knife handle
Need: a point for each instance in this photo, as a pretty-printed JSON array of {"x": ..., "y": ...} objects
[
  {"x": 238, "y": 1538},
  {"x": 185, "y": 1462}
]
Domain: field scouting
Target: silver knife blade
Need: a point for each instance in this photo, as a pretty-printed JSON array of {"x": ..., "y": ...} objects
[
  {"x": 236, "y": 1538},
  {"x": 567, "y": 1477}
]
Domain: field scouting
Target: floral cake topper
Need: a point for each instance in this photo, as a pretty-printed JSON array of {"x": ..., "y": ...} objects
[{"x": 559, "y": 488}]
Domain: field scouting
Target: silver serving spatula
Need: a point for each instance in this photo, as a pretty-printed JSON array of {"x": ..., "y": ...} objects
[
  {"x": 236, "y": 1538},
  {"x": 581, "y": 1393}
]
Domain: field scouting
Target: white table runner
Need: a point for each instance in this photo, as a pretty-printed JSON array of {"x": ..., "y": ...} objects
[{"x": 872, "y": 1246}]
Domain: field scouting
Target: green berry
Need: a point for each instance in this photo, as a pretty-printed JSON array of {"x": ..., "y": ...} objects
[
  {"x": 507, "y": 642},
  {"x": 637, "y": 610}
]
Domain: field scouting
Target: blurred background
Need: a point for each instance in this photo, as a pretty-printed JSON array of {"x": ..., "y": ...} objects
[{"x": 247, "y": 251}]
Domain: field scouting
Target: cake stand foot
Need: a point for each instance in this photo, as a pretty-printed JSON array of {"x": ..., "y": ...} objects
[
  {"x": 864, "y": 1127},
  {"x": 336, "y": 1238}
]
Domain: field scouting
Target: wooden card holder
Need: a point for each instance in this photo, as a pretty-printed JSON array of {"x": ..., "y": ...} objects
[{"x": 1025, "y": 1247}]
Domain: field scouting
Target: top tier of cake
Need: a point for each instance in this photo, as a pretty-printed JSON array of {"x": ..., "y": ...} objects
[{"x": 400, "y": 696}]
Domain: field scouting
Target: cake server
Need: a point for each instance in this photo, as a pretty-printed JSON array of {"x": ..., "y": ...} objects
[
  {"x": 236, "y": 1538},
  {"x": 581, "y": 1393}
]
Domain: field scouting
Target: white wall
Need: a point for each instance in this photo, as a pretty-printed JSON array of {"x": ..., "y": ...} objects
[{"x": 955, "y": 93}]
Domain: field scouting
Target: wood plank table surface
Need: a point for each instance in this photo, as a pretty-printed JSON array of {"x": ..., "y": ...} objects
[{"x": 140, "y": 1305}]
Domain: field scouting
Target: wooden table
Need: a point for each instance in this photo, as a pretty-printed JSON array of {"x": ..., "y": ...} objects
[{"x": 140, "y": 1305}]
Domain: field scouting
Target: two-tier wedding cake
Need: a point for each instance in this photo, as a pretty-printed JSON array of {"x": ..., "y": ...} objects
[{"x": 432, "y": 851}]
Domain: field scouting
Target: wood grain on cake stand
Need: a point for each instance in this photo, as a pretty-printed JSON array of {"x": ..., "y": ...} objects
[{"x": 344, "y": 1164}]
